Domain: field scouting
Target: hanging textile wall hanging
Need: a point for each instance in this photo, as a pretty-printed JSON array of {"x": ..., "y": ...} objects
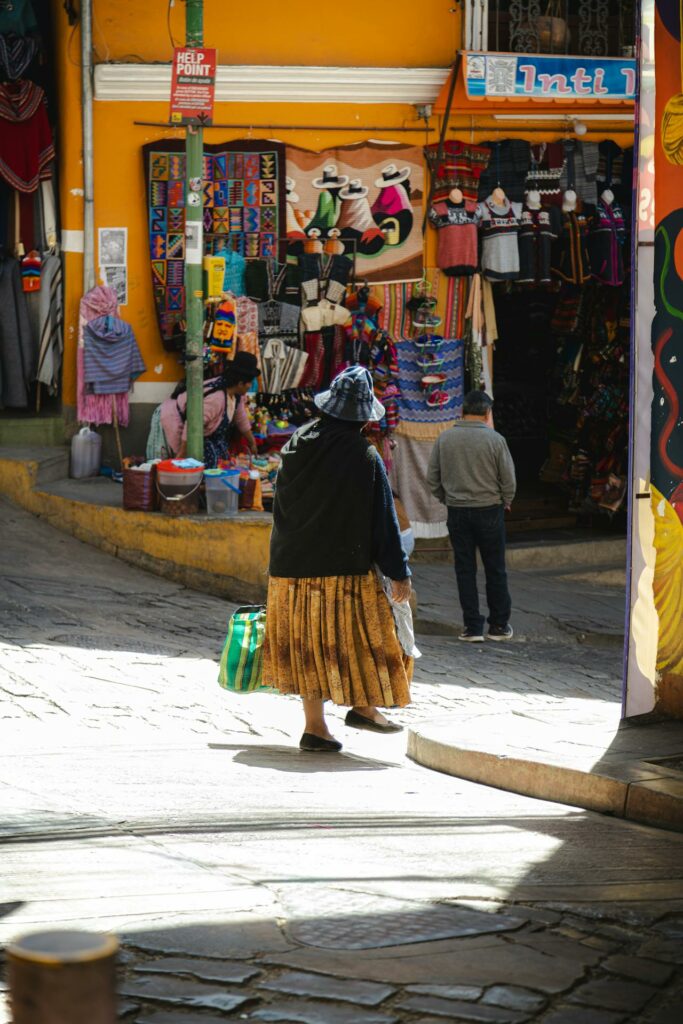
[
  {"x": 419, "y": 419},
  {"x": 244, "y": 211},
  {"x": 367, "y": 199}
]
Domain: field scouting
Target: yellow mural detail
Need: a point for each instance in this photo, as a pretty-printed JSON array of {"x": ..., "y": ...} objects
[
  {"x": 672, "y": 119},
  {"x": 668, "y": 583}
]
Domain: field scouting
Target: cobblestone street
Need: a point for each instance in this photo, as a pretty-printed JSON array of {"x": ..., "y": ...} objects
[{"x": 247, "y": 880}]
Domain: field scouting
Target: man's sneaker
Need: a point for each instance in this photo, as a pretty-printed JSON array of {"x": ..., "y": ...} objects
[
  {"x": 501, "y": 632},
  {"x": 472, "y": 636}
]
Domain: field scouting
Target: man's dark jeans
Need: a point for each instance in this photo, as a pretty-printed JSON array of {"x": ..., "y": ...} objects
[{"x": 484, "y": 529}]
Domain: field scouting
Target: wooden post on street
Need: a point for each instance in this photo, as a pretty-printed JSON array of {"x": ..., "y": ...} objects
[{"x": 62, "y": 977}]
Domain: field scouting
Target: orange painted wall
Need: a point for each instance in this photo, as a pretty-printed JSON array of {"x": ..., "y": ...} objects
[
  {"x": 385, "y": 33},
  {"x": 382, "y": 34}
]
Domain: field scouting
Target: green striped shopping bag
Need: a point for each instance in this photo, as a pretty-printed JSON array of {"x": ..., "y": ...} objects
[{"x": 241, "y": 667}]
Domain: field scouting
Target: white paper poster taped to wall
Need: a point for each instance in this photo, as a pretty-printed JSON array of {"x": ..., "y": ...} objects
[
  {"x": 113, "y": 260},
  {"x": 117, "y": 278}
]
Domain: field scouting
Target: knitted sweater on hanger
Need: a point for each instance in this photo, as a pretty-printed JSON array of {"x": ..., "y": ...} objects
[
  {"x": 606, "y": 244},
  {"x": 545, "y": 172},
  {"x": 580, "y": 169},
  {"x": 508, "y": 167},
  {"x": 538, "y": 231},
  {"x": 457, "y": 244},
  {"x": 499, "y": 226},
  {"x": 570, "y": 260},
  {"x": 461, "y": 165}
]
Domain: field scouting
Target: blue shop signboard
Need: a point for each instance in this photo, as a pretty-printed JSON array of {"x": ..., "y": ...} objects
[{"x": 549, "y": 77}]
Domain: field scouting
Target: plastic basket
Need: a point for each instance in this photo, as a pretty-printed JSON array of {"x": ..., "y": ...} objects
[{"x": 222, "y": 492}]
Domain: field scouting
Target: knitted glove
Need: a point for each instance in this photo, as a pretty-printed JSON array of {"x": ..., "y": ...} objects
[
  {"x": 335, "y": 291},
  {"x": 310, "y": 290}
]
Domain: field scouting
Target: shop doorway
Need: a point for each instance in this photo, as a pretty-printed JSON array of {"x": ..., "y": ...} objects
[
  {"x": 561, "y": 385},
  {"x": 31, "y": 278}
]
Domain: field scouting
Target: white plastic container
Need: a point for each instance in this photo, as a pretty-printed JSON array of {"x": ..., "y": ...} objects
[
  {"x": 86, "y": 453},
  {"x": 222, "y": 492}
]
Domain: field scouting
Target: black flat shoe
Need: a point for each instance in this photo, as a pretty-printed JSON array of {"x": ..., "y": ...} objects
[
  {"x": 357, "y": 721},
  {"x": 311, "y": 742}
]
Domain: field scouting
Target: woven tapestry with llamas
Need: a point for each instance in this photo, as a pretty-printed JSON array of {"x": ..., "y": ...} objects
[{"x": 364, "y": 200}]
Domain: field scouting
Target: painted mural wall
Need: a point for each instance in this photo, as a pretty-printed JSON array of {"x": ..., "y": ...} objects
[
  {"x": 667, "y": 343},
  {"x": 655, "y": 668}
]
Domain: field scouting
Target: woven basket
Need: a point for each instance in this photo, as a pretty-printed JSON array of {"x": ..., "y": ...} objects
[{"x": 140, "y": 490}]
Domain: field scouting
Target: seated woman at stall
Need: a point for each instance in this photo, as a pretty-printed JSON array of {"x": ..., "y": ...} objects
[{"x": 224, "y": 412}]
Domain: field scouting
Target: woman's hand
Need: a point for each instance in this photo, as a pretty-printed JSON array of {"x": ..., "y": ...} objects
[
  {"x": 401, "y": 590},
  {"x": 251, "y": 443}
]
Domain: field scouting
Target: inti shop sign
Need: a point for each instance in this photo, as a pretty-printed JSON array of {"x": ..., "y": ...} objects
[
  {"x": 549, "y": 77},
  {"x": 193, "y": 83}
]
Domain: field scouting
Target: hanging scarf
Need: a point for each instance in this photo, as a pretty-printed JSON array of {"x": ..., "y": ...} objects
[
  {"x": 16, "y": 53},
  {"x": 20, "y": 100}
]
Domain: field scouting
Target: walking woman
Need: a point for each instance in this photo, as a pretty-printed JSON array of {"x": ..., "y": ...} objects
[{"x": 330, "y": 632}]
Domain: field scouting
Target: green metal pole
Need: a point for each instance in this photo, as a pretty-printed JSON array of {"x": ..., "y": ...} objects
[{"x": 194, "y": 295}]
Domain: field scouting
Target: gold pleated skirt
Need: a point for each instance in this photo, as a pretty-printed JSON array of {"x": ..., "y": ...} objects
[{"x": 334, "y": 637}]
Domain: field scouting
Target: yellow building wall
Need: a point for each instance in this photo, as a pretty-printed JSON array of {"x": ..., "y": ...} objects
[
  {"x": 382, "y": 34},
  {"x": 385, "y": 33},
  {"x": 389, "y": 34}
]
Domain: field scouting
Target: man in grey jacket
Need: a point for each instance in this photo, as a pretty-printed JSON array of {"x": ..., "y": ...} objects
[{"x": 471, "y": 472}]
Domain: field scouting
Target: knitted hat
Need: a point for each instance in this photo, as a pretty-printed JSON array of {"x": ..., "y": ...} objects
[{"x": 351, "y": 397}]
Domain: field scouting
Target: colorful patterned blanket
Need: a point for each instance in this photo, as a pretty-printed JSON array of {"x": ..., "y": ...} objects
[{"x": 244, "y": 210}]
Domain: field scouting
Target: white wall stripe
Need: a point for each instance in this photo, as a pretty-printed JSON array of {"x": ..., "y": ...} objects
[{"x": 254, "y": 83}]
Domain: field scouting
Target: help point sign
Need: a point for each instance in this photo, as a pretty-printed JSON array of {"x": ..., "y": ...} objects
[{"x": 193, "y": 85}]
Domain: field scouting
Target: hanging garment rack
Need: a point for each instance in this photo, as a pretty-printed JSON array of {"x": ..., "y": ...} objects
[
  {"x": 353, "y": 244},
  {"x": 296, "y": 127}
]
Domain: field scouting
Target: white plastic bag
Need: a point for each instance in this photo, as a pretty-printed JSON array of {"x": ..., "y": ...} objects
[{"x": 403, "y": 618}]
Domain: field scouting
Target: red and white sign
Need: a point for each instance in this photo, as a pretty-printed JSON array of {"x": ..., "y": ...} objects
[{"x": 193, "y": 84}]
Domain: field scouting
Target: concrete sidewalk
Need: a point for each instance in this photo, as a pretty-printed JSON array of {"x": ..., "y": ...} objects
[
  {"x": 245, "y": 876},
  {"x": 569, "y": 623},
  {"x": 574, "y": 752}
]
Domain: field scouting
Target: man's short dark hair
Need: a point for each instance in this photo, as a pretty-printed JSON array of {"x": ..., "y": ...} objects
[{"x": 476, "y": 403}]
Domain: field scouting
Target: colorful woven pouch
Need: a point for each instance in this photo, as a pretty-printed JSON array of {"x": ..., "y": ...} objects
[{"x": 241, "y": 666}]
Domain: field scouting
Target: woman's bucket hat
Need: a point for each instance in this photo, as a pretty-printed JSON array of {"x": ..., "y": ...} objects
[
  {"x": 245, "y": 366},
  {"x": 351, "y": 397}
]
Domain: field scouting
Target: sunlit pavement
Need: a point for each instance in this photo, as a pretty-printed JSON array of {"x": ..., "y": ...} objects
[{"x": 247, "y": 878}]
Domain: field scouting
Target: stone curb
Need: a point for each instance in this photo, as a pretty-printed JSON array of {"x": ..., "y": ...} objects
[
  {"x": 190, "y": 550},
  {"x": 637, "y": 790},
  {"x": 595, "y": 553}
]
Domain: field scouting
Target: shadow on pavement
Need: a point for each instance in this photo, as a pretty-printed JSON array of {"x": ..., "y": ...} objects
[{"x": 289, "y": 759}]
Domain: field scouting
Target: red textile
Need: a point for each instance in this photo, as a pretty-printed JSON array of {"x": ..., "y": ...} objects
[
  {"x": 313, "y": 371},
  {"x": 461, "y": 166},
  {"x": 26, "y": 147}
]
